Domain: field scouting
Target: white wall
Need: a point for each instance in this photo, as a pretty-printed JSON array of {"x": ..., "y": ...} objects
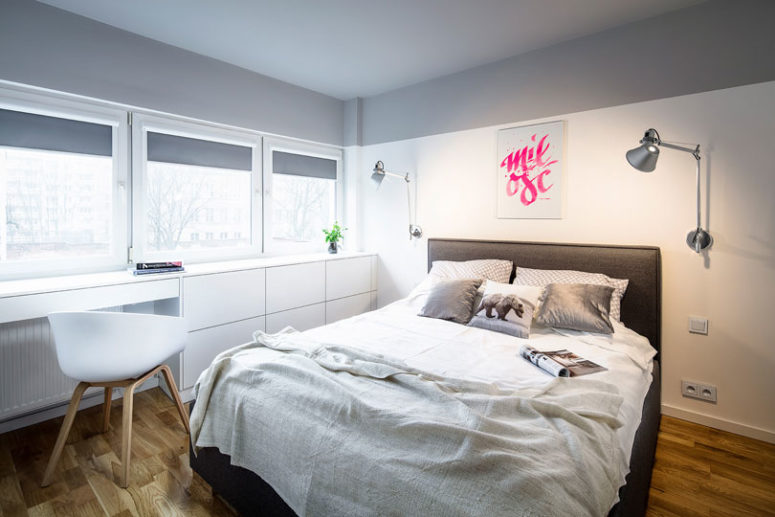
[{"x": 609, "y": 202}]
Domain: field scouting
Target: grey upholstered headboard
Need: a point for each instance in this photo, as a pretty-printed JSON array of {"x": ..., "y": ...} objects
[{"x": 642, "y": 303}]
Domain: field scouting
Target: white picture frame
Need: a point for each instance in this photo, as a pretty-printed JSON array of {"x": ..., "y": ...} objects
[{"x": 530, "y": 168}]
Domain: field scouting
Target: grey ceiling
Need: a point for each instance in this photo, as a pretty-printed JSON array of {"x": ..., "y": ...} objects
[{"x": 360, "y": 48}]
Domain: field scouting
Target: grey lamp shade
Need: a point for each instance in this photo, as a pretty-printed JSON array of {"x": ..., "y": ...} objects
[
  {"x": 644, "y": 157},
  {"x": 377, "y": 177},
  {"x": 378, "y": 173}
]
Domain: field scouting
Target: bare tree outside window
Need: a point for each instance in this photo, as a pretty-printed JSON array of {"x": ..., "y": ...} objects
[
  {"x": 181, "y": 198},
  {"x": 301, "y": 207}
]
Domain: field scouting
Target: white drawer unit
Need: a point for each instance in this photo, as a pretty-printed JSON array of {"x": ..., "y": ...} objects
[
  {"x": 347, "y": 307},
  {"x": 296, "y": 285},
  {"x": 346, "y": 277},
  {"x": 204, "y": 345},
  {"x": 301, "y": 318},
  {"x": 220, "y": 298}
]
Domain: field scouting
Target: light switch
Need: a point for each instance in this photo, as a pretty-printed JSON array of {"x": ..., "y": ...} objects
[{"x": 698, "y": 325}]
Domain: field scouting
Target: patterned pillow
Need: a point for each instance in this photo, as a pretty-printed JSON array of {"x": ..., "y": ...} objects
[
  {"x": 486, "y": 269},
  {"x": 544, "y": 277},
  {"x": 506, "y": 308}
]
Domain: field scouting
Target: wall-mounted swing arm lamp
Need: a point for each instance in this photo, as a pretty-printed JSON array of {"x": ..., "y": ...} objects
[
  {"x": 378, "y": 174},
  {"x": 644, "y": 158}
]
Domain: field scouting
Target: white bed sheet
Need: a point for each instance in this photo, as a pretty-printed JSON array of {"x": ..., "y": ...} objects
[{"x": 453, "y": 350}]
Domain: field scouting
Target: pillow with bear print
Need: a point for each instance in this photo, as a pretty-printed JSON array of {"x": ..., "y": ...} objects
[{"x": 506, "y": 308}]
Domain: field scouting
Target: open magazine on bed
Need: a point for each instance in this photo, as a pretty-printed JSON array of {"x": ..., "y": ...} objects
[{"x": 560, "y": 363}]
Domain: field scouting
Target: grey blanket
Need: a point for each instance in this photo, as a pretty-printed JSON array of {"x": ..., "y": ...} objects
[{"x": 336, "y": 431}]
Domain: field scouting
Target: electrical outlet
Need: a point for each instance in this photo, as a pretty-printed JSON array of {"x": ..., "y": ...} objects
[
  {"x": 690, "y": 389},
  {"x": 695, "y": 390},
  {"x": 708, "y": 393}
]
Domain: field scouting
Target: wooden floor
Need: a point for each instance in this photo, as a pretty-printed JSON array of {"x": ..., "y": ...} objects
[
  {"x": 161, "y": 482},
  {"x": 698, "y": 471}
]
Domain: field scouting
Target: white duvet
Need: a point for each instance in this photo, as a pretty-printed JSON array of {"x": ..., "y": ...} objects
[{"x": 389, "y": 413}]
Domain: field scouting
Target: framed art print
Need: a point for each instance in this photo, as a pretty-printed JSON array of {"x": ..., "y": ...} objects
[{"x": 530, "y": 168}]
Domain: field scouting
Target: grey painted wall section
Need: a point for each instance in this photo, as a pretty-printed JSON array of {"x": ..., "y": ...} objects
[
  {"x": 44, "y": 46},
  {"x": 353, "y": 109},
  {"x": 716, "y": 44}
]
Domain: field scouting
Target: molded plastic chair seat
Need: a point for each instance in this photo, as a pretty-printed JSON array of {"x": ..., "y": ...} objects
[
  {"x": 110, "y": 350},
  {"x": 111, "y": 346}
]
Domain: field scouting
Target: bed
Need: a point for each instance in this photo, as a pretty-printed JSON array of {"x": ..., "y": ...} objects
[{"x": 640, "y": 311}]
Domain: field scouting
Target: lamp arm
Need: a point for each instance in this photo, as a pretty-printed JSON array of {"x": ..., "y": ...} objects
[
  {"x": 409, "y": 208},
  {"x": 697, "y": 156},
  {"x": 695, "y": 151},
  {"x": 415, "y": 232},
  {"x": 405, "y": 178}
]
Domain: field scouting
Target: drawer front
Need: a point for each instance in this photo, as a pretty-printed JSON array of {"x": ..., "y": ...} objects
[
  {"x": 347, "y": 307},
  {"x": 302, "y": 318},
  {"x": 204, "y": 345},
  {"x": 347, "y": 277},
  {"x": 293, "y": 286},
  {"x": 220, "y": 298},
  {"x": 17, "y": 308}
]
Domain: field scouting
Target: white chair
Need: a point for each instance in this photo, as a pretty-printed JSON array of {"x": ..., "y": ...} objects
[{"x": 110, "y": 350}]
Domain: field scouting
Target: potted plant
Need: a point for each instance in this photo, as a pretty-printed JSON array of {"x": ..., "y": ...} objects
[{"x": 333, "y": 236}]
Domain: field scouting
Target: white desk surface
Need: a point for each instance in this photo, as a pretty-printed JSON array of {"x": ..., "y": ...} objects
[{"x": 29, "y": 286}]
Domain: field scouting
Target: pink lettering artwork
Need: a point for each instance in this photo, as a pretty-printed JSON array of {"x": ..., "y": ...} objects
[{"x": 530, "y": 171}]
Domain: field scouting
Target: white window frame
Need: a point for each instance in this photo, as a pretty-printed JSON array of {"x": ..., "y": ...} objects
[
  {"x": 288, "y": 145},
  {"x": 141, "y": 124},
  {"x": 57, "y": 106}
]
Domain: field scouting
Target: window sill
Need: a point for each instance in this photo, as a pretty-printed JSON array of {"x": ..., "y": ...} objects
[{"x": 31, "y": 286}]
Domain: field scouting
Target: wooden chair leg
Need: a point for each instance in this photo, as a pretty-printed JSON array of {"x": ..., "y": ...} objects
[
  {"x": 126, "y": 434},
  {"x": 165, "y": 370},
  {"x": 106, "y": 409},
  {"x": 63, "y": 432}
]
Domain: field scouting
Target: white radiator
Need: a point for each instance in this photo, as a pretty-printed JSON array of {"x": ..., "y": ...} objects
[{"x": 30, "y": 378}]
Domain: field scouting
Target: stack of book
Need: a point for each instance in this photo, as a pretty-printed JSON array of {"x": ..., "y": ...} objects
[{"x": 151, "y": 268}]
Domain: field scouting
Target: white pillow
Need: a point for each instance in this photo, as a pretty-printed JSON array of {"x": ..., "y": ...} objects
[
  {"x": 544, "y": 277},
  {"x": 486, "y": 269}
]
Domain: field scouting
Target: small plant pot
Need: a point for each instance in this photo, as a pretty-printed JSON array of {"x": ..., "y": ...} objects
[{"x": 333, "y": 247}]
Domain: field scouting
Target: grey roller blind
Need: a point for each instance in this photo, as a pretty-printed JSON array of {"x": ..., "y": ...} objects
[
  {"x": 301, "y": 165},
  {"x": 193, "y": 151},
  {"x": 21, "y": 129}
]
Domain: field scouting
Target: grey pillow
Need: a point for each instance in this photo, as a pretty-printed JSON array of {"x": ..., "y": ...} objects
[
  {"x": 452, "y": 300},
  {"x": 582, "y": 307}
]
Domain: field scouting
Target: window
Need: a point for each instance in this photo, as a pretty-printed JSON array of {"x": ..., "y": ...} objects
[
  {"x": 303, "y": 195},
  {"x": 85, "y": 184},
  {"x": 62, "y": 186},
  {"x": 190, "y": 176}
]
